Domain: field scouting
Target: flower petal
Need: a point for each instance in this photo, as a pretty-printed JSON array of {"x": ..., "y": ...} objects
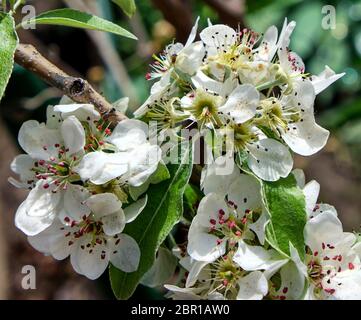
[
  {"x": 129, "y": 134},
  {"x": 38, "y": 211},
  {"x": 270, "y": 159},
  {"x": 132, "y": 211},
  {"x": 73, "y": 134},
  {"x": 245, "y": 192},
  {"x": 242, "y": 103},
  {"x": 325, "y": 79},
  {"x": 103, "y": 204},
  {"x": 126, "y": 254},
  {"x": 253, "y": 286}
]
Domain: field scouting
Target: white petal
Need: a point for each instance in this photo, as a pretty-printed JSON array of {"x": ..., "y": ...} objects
[
  {"x": 89, "y": 260},
  {"x": 259, "y": 226},
  {"x": 38, "y": 211},
  {"x": 218, "y": 36},
  {"x": 129, "y": 134},
  {"x": 245, "y": 192},
  {"x": 323, "y": 207},
  {"x": 292, "y": 285},
  {"x": 350, "y": 288},
  {"x": 300, "y": 177},
  {"x": 201, "y": 245},
  {"x": 268, "y": 46},
  {"x": 103, "y": 204},
  {"x": 200, "y": 80},
  {"x": 53, "y": 118},
  {"x": 242, "y": 103},
  {"x": 190, "y": 58},
  {"x": 254, "y": 286},
  {"x": 126, "y": 254},
  {"x": 22, "y": 165},
  {"x": 193, "y": 34},
  {"x": 194, "y": 272},
  {"x": 38, "y": 141},
  {"x": 271, "y": 160},
  {"x": 73, "y": 134},
  {"x": 324, "y": 228},
  {"x": 218, "y": 176},
  {"x": 325, "y": 79},
  {"x": 306, "y": 137},
  {"x": 143, "y": 163},
  {"x": 132, "y": 211},
  {"x": 113, "y": 223},
  {"x": 74, "y": 202},
  {"x": 252, "y": 258},
  {"x": 83, "y": 112},
  {"x": 100, "y": 167},
  {"x": 311, "y": 191}
]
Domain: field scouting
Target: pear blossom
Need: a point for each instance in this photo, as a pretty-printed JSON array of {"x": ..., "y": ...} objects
[
  {"x": 221, "y": 279},
  {"x": 47, "y": 170},
  {"x": 94, "y": 239},
  {"x": 133, "y": 161},
  {"x": 225, "y": 217}
]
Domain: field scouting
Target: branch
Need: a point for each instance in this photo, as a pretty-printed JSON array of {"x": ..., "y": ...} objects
[{"x": 75, "y": 88}]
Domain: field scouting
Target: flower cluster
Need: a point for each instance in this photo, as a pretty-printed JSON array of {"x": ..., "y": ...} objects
[
  {"x": 80, "y": 174},
  {"x": 241, "y": 82},
  {"x": 227, "y": 256}
]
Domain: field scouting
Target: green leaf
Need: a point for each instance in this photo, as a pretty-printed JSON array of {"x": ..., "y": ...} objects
[
  {"x": 163, "y": 210},
  {"x": 192, "y": 197},
  {"x": 286, "y": 205},
  {"x": 77, "y": 19},
  {"x": 128, "y": 6},
  {"x": 8, "y": 43}
]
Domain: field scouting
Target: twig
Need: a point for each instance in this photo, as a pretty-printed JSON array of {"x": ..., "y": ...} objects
[
  {"x": 75, "y": 88},
  {"x": 110, "y": 56}
]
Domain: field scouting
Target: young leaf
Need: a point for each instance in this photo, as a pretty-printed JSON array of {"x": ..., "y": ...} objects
[
  {"x": 8, "y": 43},
  {"x": 163, "y": 210},
  {"x": 77, "y": 19},
  {"x": 287, "y": 208},
  {"x": 128, "y": 6}
]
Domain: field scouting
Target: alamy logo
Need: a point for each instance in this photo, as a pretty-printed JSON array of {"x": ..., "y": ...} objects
[
  {"x": 329, "y": 19},
  {"x": 29, "y": 279}
]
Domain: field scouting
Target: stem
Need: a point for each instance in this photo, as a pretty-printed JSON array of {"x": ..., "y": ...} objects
[
  {"x": 16, "y": 5},
  {"x": 75, "y": 88}
]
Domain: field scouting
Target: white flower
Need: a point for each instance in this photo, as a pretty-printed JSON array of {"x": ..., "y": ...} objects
[
  {"x": 175, "y": 58},
  {"x": 333, "y": 267},
  {"x": 239, "y": 102},
  {"x": 48, "y": 171},
  {"x": 292, "y": 118},
  {"x": 95, "y": 239},
  {"x": 222, "y": 279},
  {"x": 222, "y": 222},
  {"x": 42, "y": 206},
  {"x": 134, "y": 160}
]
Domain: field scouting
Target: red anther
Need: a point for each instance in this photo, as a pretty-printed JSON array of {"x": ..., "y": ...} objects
[
  {"x": 212, "y": 221},
  {"x": 148, "y": 76},
  {"x": 351, "y": 266}
]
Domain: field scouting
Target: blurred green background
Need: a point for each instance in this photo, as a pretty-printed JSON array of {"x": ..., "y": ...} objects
[{"x": 117, "y": 67}]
